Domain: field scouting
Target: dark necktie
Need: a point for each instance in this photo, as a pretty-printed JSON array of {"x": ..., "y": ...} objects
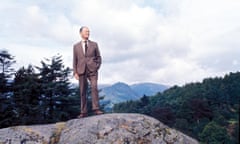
[{"x": 85, "y": 47}]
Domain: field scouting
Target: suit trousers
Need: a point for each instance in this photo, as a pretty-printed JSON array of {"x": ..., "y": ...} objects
[{"x": 83, "y": 85}]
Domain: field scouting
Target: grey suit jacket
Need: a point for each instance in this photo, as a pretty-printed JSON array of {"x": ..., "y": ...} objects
[{"x": 92, "y": 59}]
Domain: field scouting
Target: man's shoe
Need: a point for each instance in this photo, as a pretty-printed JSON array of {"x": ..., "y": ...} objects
[
  {"x": 82, "y": 115},
  {"x": 98, "y": 112}
]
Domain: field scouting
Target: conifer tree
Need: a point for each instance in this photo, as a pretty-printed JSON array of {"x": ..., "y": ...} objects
[
  {"x": 55, "y": 89},
  {"x": 6, "y": 71}
]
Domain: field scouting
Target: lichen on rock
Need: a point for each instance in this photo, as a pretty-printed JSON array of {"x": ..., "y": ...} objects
[{"x": 115, "y": 128}]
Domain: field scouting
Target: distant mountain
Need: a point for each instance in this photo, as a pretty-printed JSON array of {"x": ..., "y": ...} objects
[
  {"x": 148, "y": 89},
  {"x": 100, "y": 86},
  {"x": 120, "y": 92}
]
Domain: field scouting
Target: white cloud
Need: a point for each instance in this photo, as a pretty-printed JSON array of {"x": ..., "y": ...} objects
[{"x": 165, "y": 41}]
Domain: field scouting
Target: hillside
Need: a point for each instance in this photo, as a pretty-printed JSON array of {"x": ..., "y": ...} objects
[{"x": 208, "y": 111}]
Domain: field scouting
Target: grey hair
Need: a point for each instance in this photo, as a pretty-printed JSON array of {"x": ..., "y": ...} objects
[{"x": 82, "y": 27}]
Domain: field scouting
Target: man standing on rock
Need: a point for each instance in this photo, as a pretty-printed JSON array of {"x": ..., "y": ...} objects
[{"x": 86, "y": 63}]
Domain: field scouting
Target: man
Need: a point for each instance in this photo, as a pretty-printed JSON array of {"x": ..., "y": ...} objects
[{"x": 86, "y": 63}]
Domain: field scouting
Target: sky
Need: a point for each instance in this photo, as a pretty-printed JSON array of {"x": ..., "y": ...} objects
[{"x": 170, "y": 42}]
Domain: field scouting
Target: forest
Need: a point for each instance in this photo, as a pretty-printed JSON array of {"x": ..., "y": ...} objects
[{"x": 207, "y": 110}]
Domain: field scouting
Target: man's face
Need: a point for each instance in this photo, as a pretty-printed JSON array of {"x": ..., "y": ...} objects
[{"x": 85, "y": 33}]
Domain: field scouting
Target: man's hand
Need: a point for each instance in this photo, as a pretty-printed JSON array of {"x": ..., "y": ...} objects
[{"x": 76, "y": 76}]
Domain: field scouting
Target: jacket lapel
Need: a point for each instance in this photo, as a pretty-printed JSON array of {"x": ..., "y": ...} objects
[
  {"x": 89, "y": 46},
  {"x": 81, "y": 49}
]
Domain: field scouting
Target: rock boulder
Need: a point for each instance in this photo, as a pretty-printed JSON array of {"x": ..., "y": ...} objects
[{"x": 115, "y": 128}]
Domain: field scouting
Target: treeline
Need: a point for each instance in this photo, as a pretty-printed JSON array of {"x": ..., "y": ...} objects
[
  {"x": 207, "y": 111},
  {"x": 37, "y": 94}
]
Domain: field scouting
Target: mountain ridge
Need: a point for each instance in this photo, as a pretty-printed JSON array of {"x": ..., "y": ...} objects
[{"x": 120, "y": 92}]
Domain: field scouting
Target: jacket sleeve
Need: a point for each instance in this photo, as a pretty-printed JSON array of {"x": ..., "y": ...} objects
[
  {"x": 98, "y": 56},
  {"x": 75, "y": 60}
]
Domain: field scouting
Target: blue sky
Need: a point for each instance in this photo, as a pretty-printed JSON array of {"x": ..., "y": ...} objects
[{"x": 164, "y": 41}]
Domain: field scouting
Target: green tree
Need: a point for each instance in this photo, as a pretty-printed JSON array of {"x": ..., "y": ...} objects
[
  {"x": 235, "y": 135},
  {"x": 214, "y": 134},
  {"x": 6, "y": 71},
  {"x": 26, "y": 96},
  {"x": 55, "y": 87}
]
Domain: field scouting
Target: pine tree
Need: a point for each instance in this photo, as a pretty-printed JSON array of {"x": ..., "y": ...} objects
[
  {"x": 55, "y": 89},
  {"x": 26, "y": 96},
  {"x": 6, "y": 71}
]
